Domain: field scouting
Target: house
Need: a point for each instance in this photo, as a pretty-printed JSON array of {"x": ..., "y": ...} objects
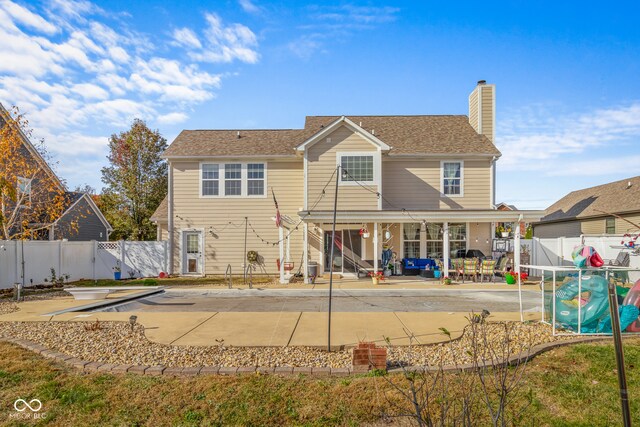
[
  {"x": 80, "y": 217},
  {"x": 412, "y": 186},
  {"x": 600, "y": 210}
]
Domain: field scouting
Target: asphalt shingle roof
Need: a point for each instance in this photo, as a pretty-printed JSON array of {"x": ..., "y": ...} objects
[
  {"x": 615, "y": 197},
  {"x": 406, "y": 135}
]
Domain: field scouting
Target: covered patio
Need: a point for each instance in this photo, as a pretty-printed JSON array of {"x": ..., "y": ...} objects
[{"x": 365, "y": 239}]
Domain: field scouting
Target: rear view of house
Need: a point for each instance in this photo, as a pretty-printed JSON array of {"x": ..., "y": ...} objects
[{"x": 413, "y": 187}]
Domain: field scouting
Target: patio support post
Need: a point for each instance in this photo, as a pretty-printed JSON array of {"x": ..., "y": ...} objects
[
  {"x": 445, "y": 248},
  {"x": 305, "y": 251},
  {"x": 281, "y": 247},
  {"x": 516, "y": 262},
  {"x": 375, "y": 247}
]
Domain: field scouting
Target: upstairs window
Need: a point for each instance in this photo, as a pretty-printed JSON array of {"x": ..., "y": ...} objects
[
  {"x": 210, "y": 180},
  {"x": 233, "y": 179},
  {"x": 357, "y": 168},
  {"x": 255, "y": 179},
  {"x": 452, "y": 178}
]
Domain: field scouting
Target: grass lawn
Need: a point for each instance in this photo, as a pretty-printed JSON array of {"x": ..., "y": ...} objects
[{"x": 571, "y": 386}]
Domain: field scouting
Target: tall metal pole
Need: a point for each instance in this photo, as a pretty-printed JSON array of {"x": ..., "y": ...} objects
[
  {"x": 333, "y": 244},
  {"x": 617, "y": 341},
  {"x": 244, "y": 262}
]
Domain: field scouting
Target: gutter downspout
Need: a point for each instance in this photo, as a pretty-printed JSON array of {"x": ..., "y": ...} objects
[{"x": 170, "y": 217}]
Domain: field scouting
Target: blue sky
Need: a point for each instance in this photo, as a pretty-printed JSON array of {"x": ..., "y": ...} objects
[{"x": 567, "y": 75}]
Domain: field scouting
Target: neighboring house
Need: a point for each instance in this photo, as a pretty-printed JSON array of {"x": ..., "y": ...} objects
[
  {"x": 604, "y": 209},
  {"x": 403, "y": 182},
  {"x": 80, "y": 219},
  {"x": 502, "y": 206}
]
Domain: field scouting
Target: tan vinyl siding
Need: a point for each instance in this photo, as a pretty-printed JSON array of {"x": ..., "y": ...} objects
[
  {"x": 415, "y": 184},
  {"x": 473, "y": 109},
  {"x": 322, "y": 162},
  {"x": 480, "y": 237},
  {"x": 559, "y": 229},
  {"x": 623, "y": 226},
  {"x": 163, "y": 231},
  {"x": 487, "y": 111},
  {"x": 224, "y": 242},
  {"x": 593, "y": 226}
]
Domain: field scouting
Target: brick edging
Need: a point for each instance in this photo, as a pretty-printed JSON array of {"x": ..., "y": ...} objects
[{"x": 158, "y": 370}]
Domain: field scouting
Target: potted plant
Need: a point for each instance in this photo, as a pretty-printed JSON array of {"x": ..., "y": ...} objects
[
  {"x": 376, "y": 277},
  {"x": 446, "y": 280},
  {"x": 117, "y": 271},
  {"x": 512, "y": 278}
]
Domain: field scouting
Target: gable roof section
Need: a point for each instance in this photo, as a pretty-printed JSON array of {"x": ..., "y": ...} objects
[
  {"x": 74, "y": 197},
  {"x": 615, "y": 197},
  {"x": 161, "y": 213},
  {"x": 404, "y": 135},
  {"x": 324, "y": 131},
  {"x": 4, "y": 115},
  {"x": 420, "y": 135}
]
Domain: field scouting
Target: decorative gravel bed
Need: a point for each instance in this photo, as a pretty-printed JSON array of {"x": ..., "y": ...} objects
[{"x": 114, "y": 342}]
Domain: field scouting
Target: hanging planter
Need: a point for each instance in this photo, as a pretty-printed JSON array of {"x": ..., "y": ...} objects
[{"x": 364, "y": 232}]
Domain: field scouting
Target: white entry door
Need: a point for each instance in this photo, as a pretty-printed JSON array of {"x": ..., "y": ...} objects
[{"x": 192, "y": 253}]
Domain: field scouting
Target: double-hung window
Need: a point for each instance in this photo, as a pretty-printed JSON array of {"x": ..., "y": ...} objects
[
  {"x": 452, "y": 176},
  {"x": 357, "y": 168},
  {"x": 255, "y": 179},
  {"x": 210, "y": 179},
  {"x": 233, "y": 179}
]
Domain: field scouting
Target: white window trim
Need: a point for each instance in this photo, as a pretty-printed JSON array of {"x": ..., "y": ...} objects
[
  {"x": 243, "y": 177},
  {"x": 452, "y": 196},
  {"x": 376, "y": 155}
]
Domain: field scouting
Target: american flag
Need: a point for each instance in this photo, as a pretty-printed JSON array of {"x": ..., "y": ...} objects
[{"x": 278, "y": 217}]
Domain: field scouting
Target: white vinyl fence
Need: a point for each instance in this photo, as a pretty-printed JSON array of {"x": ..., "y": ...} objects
[
  {"x": 557, "y": 252},
  {"x": 80, "y": 260}
]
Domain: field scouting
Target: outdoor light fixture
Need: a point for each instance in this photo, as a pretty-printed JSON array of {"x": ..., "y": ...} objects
[{"x": 132, "y": 321}]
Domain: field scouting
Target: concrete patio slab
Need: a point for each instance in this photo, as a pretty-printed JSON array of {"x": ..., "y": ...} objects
[
  {"x": 244, "y": 329},
  {"x": 347, "y": 329},
  {"x": 426, "y": 326}
]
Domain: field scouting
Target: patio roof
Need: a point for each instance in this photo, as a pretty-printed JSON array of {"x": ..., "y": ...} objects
[{"x": 453, "y": 215}]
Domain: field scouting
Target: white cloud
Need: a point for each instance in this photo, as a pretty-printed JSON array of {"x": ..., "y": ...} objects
[
  {"x": 186, "y": 37},
  {"x": 172, "y": 118},
  {"x": 325, "y": 23},
  {"x": 24, "y": 16},
  {"x": 226, "y": 43},
  {"x": 535, "y": 136},
  {"x": 248, "y": 6},
  {"x": 90, "y": 91},
  {"x": 81, "y": 73}
]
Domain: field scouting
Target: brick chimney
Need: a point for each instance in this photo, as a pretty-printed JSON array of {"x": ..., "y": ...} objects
[{"x": 482, "y": 109}]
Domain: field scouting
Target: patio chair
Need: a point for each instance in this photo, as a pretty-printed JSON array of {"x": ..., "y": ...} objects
[
  {"x": 470, "y": 269},
  {"x": 457, "y": 268},
  {"x": 487, "y": 268},
  {"x": 503, "y": 265}
]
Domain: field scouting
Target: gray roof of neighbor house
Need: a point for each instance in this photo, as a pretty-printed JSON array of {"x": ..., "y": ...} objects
[
  {"x": 161, "y": 211},
  {"x": 407, "y": 135},
  {"x": 615, "y": 197}
]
